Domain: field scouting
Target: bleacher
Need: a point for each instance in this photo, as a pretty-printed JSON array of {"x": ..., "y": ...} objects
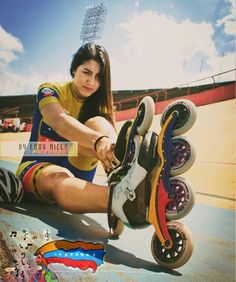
[{"x": 17, "y": 106}]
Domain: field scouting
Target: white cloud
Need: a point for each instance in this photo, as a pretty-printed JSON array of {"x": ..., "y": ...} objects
[
  {"x": 136, "y": 3},
  {"x": 12, "y": 83},
  {"x": 229, "y": 21},
  {"x": 160, "y": 52},
  {"x": 9, "y": 46},
  {"x": 7, "y": 56}
]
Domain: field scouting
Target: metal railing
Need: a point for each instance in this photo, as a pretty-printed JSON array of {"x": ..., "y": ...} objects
[{"x": 165, "y": 94}]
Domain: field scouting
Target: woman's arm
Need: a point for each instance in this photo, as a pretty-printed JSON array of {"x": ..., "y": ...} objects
[
  {"x": 68, "y": 127},
  {"x": 73, "y": 130}
]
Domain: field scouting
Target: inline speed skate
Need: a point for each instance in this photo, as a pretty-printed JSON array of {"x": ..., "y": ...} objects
[{"x": 146, "y": 188}]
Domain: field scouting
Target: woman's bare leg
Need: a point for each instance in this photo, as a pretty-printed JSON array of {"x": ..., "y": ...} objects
[{"x": 72, "y": 194}]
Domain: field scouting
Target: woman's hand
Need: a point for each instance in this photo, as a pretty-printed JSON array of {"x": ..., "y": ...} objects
[{"x": 105, "y": 153}]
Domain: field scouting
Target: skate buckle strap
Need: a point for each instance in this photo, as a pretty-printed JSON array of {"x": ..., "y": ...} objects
[{"x": 130, "y": 194}]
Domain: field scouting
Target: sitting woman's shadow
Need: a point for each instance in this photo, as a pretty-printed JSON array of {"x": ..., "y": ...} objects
[{"x": 81, "y": 227}]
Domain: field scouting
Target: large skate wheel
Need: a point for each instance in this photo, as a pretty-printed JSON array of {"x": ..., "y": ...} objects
[
  {"x": 179, "y": 253},
  {"x": 187, "y": 115},
  {"x": 117, "y": 227},
  {"x": 183, "y": 200},
  {"x": 183, "y": 155},
  {"x": 118, "y": 230},
  {"x": 145, "y": 115}
]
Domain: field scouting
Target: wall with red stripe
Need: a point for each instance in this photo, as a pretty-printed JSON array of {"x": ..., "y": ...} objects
[{"x": 199, "y": 99}]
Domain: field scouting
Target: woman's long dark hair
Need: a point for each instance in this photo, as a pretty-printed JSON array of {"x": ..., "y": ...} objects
[{"x": 101, "y": 102}]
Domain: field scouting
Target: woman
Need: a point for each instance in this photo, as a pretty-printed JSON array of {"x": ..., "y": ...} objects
[{"x": 79, "y": 111}]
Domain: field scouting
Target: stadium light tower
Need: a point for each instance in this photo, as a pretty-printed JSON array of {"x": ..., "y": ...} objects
[{"x": 93, "y": 24}]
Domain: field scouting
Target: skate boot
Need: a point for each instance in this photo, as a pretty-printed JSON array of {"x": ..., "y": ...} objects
[
  {"x": 130, "y": 184},
  {"x": 126, "y": 149}
]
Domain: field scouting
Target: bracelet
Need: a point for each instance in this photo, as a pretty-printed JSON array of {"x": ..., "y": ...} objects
[{"x": 96, "y": 142}]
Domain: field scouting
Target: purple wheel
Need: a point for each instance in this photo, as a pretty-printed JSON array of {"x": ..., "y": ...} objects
[
  {"x": 183, "y": 201},
  {"x": 131, "y": 154},
  {"x": 183, "y": 155},
  {"x": 132, "y": 150}
]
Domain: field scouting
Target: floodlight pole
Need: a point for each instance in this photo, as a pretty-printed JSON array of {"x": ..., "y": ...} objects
[{"x": 93, "y": 24}]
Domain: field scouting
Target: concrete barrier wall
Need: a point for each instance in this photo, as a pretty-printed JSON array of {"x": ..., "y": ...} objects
[{"x": 211, "y": 96}]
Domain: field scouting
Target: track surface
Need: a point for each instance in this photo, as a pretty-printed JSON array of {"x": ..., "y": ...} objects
[{"x": 212, "y": 220}]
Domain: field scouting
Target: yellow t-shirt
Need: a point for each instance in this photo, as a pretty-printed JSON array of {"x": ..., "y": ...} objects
[
  {"x": 55, "y": 92},
  {"x": 42, "y": 132}
]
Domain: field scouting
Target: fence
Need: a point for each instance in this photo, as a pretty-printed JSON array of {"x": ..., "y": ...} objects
[{"x": 166, "y": 94}]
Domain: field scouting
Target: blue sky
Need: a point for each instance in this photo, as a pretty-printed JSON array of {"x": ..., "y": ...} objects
[{"x": 151, "y": 43}]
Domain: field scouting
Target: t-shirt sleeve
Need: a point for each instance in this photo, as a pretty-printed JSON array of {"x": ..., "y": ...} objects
[{"x": 47, "y": 94}]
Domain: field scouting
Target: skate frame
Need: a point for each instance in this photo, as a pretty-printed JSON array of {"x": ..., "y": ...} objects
[{"x": 161, "y": 191}]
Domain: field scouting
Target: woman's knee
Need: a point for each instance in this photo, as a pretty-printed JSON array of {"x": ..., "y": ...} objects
[
  {"x": 102, "y": 125},
  {"x": 52, "y": 177}
]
